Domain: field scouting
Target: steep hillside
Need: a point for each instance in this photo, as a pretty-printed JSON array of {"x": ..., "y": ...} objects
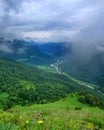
[
  {"x": 34, "y": 53},
  {"x": 90, "y": 70},
  {"x": 25, "y": 85},
  {"x": 27, "y": 95}
]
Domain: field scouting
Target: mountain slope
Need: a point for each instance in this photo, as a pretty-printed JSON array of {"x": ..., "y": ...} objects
[
  {"x": 23, "y": 85},
  {"x": 26, "y": 85},
  {"x": 90, "y": 70},
  {"x": 32, "y": 53},
  {"x": 20, "y": 84}
]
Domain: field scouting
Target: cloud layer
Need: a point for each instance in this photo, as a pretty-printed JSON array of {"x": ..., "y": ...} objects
[{"x": 51, "y": 20}]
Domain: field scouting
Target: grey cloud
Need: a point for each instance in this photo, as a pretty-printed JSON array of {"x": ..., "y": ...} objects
[
  {"x": 5, "y": 48},
  {"x": 83, "y": 17}
]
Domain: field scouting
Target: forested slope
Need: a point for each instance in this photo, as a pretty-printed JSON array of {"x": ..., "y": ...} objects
[{"x": 26, "y": 85}]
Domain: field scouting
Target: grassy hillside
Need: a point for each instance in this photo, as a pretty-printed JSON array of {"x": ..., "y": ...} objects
[{"x": 65, "y": 114}]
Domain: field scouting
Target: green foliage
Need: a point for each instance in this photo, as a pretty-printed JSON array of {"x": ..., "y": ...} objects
[
  {"x": 90, "y": 99},
  {"x": 8, "y": 126},
  {"x": 26, "y": 85}
]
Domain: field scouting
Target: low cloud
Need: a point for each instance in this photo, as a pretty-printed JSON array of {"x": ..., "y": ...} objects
[{"x": 5, "y": 48}]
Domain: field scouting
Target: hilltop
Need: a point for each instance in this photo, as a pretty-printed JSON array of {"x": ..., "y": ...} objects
[{"x": 67, "y": 113}]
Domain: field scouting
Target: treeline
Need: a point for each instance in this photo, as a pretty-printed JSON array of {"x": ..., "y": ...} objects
[
  {"x": 87, "y": 98},
  {"x": 25, "y": 85}
]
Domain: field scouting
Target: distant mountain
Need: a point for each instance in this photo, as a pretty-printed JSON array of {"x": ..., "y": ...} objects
[
  {"x": 32, "y": 52},
  {"x": 55, "y": 48}
]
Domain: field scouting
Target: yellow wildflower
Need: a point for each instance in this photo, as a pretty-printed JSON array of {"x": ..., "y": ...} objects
[
  {"x": 20, "y": 117},
  {"x": 40, "y": 122},
  {"x": 27, "y": 121}
]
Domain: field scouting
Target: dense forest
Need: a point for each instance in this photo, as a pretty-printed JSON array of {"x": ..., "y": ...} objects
[
  {"x": 91, "y": 100},
  {"x": 24, "y": 85}
]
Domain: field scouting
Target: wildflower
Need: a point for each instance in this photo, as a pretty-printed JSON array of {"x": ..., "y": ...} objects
[
  {"x": 43, "y": 119},
  {"x": 20, "y": 117},
  {"x": 37, "y": 118},
  {"x": 27, "y": 121},
  {"x": 40, "y": 113},
  {"x": 9, "y": 110},
  {"x": 17, "y": 111},
  {"x": 40, "y": 122}
]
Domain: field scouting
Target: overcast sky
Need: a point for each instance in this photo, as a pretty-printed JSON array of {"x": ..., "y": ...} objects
[{"x": 53, "y": 20}]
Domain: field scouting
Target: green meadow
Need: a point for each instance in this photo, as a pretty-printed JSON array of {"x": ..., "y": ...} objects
[{"x": 65, "y": 114}]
